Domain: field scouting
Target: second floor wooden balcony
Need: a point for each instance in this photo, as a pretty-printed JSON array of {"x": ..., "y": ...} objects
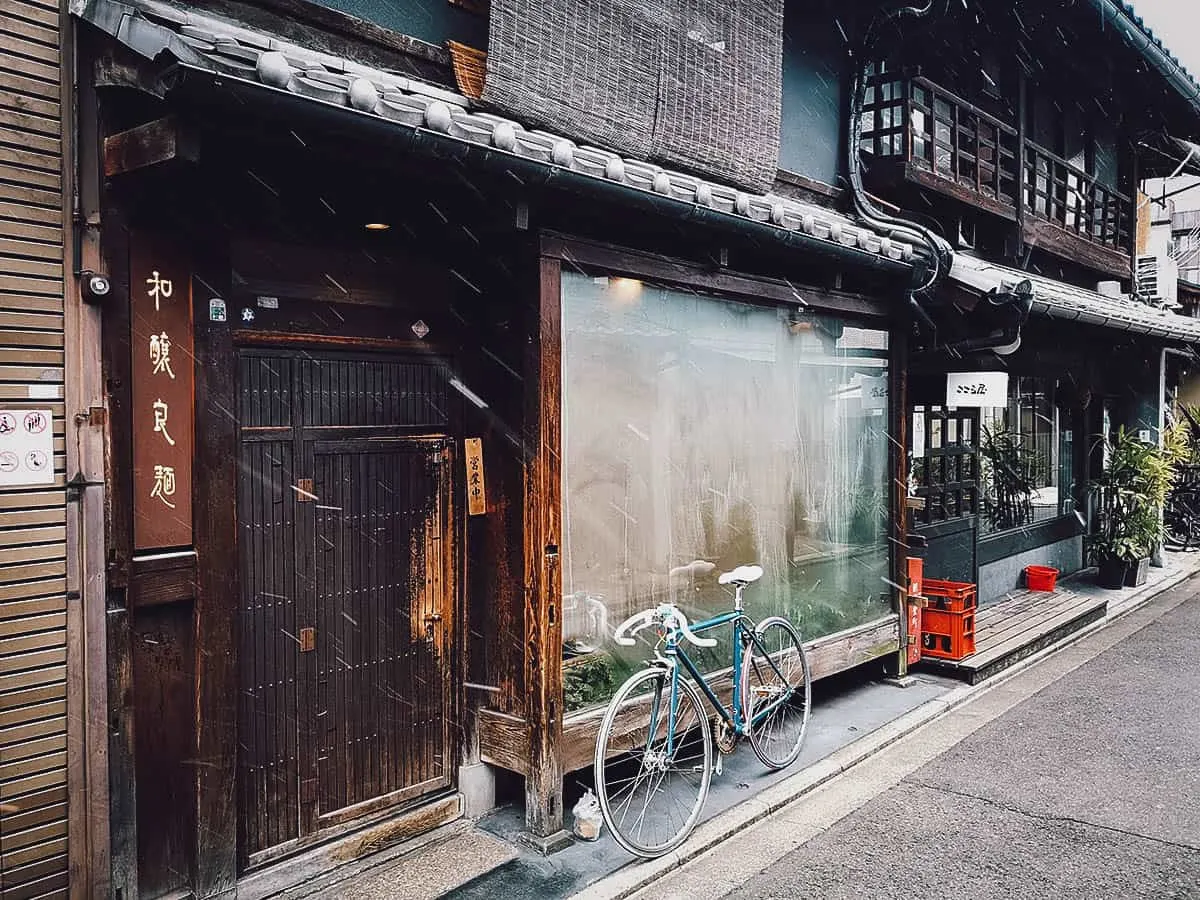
[{"x": 923, "y": 134}]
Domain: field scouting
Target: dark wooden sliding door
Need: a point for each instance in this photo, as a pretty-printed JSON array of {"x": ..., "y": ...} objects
[{"x": 346, "y": 610}]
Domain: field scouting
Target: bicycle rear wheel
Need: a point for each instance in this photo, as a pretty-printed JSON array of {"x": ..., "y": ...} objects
[
  {"x": 653, "y": 763},
  {"x": 777, "y": 692}
]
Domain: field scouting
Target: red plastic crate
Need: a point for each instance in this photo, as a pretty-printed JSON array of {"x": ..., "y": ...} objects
[
  {"x": 950, "y": 596},
  {"x": 947, "y": 635}
]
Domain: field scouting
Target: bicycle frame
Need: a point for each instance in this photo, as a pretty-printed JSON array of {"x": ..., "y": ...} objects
[{"x": 743, "y": 635}]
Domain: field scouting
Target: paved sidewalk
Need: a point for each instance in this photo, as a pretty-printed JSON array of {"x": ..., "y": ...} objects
[
  {"x": 1076, "y": 778},
  {"x": 635, "y": 875}
]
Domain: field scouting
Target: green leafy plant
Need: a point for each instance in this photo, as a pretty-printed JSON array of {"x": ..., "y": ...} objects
[
  {"x": 1131, "y": 493},
  {"x": 588, "y": 681},
  {"x": 1012, "y": 472}
]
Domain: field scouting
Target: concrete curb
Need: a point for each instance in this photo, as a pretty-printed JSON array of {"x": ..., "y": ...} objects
[{"x": 635, "y": 876}]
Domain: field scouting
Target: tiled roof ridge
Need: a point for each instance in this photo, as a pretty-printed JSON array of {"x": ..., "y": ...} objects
[{"x": 210, "y": 41}]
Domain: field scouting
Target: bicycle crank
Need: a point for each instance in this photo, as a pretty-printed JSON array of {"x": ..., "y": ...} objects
[{"x": 724, "y": 737}]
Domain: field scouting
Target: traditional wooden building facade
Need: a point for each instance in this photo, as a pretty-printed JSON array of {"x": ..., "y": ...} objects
[{"x": 419, "y": 373}]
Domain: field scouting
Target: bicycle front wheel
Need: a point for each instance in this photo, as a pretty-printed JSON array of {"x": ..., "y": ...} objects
[
  {"x": 777, "y": 692},
  {"x": 653, "y": 763}
]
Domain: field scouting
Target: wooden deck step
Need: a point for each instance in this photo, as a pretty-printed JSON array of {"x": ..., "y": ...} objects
[{"x": 1020, "y": 626}]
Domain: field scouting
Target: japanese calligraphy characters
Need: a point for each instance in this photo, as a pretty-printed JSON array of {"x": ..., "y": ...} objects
[
  {"x": 476, "y": 494},
  {"x": 161, "y": 346}
]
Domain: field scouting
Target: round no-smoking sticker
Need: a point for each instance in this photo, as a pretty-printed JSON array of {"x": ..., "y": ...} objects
[{"x": 9, "y": 461}]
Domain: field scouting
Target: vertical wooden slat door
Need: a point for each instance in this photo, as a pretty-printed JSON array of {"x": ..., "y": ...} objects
[
  {"x": 345, "y": 612},
  {"x": 381, "y": 621}
]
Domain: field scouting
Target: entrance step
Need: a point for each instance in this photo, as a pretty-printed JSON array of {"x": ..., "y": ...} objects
[
  {"x": 1018, "y": 627},
  {"x": 381, "y": 854}
]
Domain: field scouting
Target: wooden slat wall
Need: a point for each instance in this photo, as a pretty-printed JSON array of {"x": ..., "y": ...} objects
[{"x": 33, "y": 741}]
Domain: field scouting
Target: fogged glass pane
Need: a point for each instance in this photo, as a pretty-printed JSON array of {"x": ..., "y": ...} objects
[
  {"x": 700, "y": 434},
  {"x": 1026, "y": 458}
]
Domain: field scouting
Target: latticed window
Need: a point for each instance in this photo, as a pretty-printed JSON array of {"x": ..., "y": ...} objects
[{"x": 945, "y": 463}]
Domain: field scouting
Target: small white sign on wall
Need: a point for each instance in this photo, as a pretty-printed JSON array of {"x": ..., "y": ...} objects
[
  {"x": 977, "y": 389},
  {"x": 874, "y": 392},
  {"x": 26, "y": 447}
]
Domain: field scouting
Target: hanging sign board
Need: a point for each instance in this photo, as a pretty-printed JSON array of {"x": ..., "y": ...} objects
[
  {"x": 977, "y": 389},
  {"x": 26, "y": 447},
  {"x": 160, "y": 313},
  {"x": 476, "y": 493}
]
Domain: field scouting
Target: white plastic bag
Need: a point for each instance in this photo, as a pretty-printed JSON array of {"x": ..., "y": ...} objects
[{"x": 588, "y": 819}]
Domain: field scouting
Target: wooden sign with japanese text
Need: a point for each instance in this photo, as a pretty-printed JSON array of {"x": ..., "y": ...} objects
[
  {"x": 160, "y": 316},
  {"x": 476, "y": 492}
]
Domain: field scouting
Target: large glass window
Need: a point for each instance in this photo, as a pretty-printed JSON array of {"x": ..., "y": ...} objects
[
  {"x": 700, "y": 434},
  {"x": 1027, "y": 458}
]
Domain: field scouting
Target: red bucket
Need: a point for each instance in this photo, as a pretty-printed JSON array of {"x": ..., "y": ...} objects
[{"x": 1040, "y": 578}]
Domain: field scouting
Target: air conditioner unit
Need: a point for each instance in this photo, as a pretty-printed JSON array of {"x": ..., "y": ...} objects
[{"x": 1158, "y": 281}]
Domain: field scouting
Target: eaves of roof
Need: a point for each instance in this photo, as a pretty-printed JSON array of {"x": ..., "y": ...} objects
[
  {"x": 1122, "y": 14},
  {"x": 1065, "y": 302},
  {"x": 436, "y": 117}
]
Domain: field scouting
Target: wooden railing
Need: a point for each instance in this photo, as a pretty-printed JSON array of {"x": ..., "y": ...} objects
[
  {"x": 931, "y": 128},
  {"x": 950, "y": 145},
  {"x": 1062, "y": 193}
]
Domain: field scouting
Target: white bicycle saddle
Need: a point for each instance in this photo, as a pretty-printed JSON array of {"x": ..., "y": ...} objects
[{"x": 742, "y": 575}]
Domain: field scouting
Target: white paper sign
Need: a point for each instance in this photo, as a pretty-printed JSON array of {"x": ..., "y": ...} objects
[
  {"x": 874, "y": 392},
  {"x": 977, "y": 389},
  {"x": 26, "y": 447},
  {"x": 918, "y": 434}
]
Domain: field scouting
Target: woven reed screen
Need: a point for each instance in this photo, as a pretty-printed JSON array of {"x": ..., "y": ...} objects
[{"x": 692, "y": 83}]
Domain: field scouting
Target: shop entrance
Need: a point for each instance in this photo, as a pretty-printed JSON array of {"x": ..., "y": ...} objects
[{"x": 346, "y": 591}]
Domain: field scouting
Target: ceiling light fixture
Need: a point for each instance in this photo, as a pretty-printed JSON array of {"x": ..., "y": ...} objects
[{"x": 377, "y": 226}]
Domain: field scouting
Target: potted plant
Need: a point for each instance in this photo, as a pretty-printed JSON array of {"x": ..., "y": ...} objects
[{"x": 1131, "y": 494}]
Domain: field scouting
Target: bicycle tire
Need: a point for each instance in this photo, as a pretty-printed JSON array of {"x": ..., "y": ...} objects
[
  {"x": 617, "y": 753},
  {"x": 778, "y": 738}
]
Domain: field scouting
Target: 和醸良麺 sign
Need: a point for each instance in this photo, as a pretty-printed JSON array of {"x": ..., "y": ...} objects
[
  {"x": 160, "y": 301},
  {"x": 26, "y": 447},
  {"x": 977, "y": 389}
]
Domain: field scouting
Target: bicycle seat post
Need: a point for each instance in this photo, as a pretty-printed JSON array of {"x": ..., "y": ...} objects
[{"x": 737, "y": 597}]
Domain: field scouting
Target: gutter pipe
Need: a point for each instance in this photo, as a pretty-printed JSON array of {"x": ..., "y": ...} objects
[{"x": 1122, "y": 18}]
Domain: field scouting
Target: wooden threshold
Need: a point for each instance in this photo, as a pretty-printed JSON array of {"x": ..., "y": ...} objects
[{"x": 1013, "y": 629}]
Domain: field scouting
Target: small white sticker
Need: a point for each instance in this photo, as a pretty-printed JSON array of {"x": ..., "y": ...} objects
[
  {"x": 44, "y": 391},
  {"x": 1144, "y": 435},
  {"x": 268, "y": 302},
  {"x": 216, "y": 310},
  {"x": 247, "y": 314}
]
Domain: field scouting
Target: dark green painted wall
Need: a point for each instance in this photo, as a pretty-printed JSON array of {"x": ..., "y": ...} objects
[
  {"x": 814, "y": 95},
  {"x": 434, "y": 21}
]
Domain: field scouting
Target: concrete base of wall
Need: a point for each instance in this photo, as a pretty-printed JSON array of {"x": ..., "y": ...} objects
[
  {"x": 477, "y": 784},
  {"x": 1000, "y": 578}
]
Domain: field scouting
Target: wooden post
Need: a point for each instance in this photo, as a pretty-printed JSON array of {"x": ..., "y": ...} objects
[
  {"x": 215, "y": 533},
  {"x": 1022, "y": 127},
  {"x": 88, "y": 774},
  {"x": 543, "y": 575},
  {"x": 898, "y": 431},
  {"x": 122, "y": 779}
]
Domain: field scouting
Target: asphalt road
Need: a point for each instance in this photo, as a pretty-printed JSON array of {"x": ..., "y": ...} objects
[{"x": 1077, "y": 778}]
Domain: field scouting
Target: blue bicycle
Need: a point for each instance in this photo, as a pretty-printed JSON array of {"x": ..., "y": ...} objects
[{"x": 654, "y": 753}]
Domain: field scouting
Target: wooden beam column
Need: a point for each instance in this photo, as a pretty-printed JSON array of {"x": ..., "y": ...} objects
[
  {"x": 214, "y": 512},
  {"x": 543, "y": 574}
]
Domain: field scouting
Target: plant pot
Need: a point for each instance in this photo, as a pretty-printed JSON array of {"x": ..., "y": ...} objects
[
  {"x": 1137, "y": 572},
  {"x": 1112, "y": 574}
]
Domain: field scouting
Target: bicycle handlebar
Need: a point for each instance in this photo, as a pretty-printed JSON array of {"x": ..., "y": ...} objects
[{"x": 668, "y": 616}]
